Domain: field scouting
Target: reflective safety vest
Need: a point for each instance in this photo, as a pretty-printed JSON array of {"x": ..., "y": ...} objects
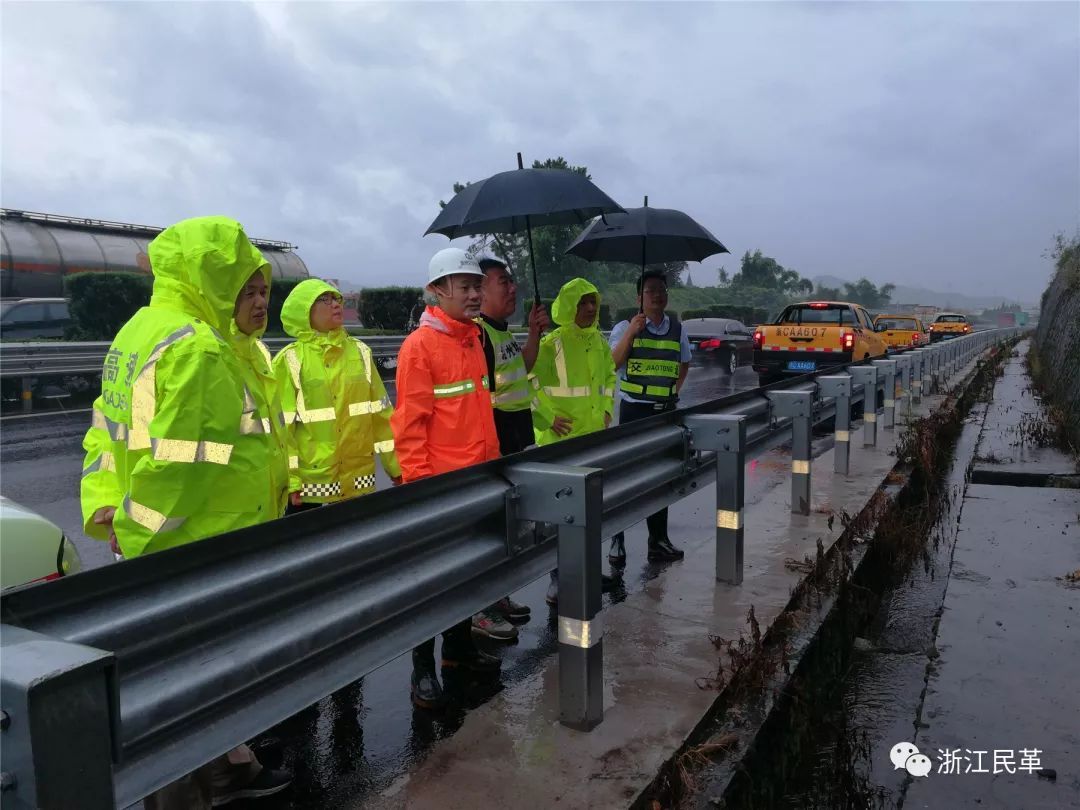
[
  {"x": 652, "y": 367},
  {"x": 335, "y": 405},
  {"x": 511, "y": 389}
]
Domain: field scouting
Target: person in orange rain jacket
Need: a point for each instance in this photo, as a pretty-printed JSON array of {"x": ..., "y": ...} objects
[{"x": 444, "y": 421}]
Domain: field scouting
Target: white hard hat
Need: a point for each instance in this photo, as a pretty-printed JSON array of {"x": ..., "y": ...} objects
[{"x": 451, "y": 261}]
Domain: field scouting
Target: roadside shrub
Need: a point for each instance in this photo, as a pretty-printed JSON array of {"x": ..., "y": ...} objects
[
  {"x": 749, "y": 316},
  {"x": 690, "y": 314},
  {"x": 101, "y": 303},
  {"x": 390, "y": 307},
  {"x": 279, "y": 291}
]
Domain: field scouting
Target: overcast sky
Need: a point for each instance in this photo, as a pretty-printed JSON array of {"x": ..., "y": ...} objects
[{"x": 934, "y": 144}]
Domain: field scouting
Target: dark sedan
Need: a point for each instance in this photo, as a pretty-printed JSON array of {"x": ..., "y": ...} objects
[{"x": 721, "y": 340}]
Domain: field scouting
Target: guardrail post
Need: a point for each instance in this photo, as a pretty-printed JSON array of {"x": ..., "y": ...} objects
[
  {"x": 903, "y": 379},
  {"x": 918, "y": 361},
  {"x": 27, "y": 394},
  {"x": 572, "y": 498},
  {"x": 839, "y": 388},
  {"x": 888, "y": 370},
  {"x": 799, "y": 406},
  {"x": 726, "y": 436},
  {"x": 60, "y": 710},
  {"x": 867, "y": 377}
]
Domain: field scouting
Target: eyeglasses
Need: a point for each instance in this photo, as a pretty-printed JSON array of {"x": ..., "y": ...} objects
[{"x": 326, "y": 298}]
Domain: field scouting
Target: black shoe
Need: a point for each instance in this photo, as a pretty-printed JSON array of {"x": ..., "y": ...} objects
[
  {"x": 663, "y": 551},
  {"x": 267, "y": 783},
  {"x": 426, "y": 691},
  {"x": 471, "y": 658},
  {"x": 617, "y": 552},
  {"x": 608, "y": 583},
  {"x": 268, "y": 751},
  {"x": 513, "y": 611}
]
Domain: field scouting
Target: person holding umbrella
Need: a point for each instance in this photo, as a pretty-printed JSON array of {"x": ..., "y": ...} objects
[
  {"x": 574, "y": 378},
  {"x": 652, "y": 353},
  {"x": 651, "y": 349},
  {"x": 508, "y": 364},
  {"x": 443, "y": 422}
]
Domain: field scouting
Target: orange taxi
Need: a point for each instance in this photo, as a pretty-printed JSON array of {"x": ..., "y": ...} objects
[{"x": 901, "y": 331}]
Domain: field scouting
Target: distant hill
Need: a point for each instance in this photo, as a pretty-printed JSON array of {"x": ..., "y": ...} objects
[{"x": 920, "y": 295}]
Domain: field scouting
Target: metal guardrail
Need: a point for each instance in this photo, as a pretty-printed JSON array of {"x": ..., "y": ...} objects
[
  {"x": 29, "y": 361},
  {"x": 118, "y": 680},
  {"x": 54, "y": 358}
]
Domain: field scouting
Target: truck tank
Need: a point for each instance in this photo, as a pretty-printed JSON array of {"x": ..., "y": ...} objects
[{"x": 39, "y": 250}]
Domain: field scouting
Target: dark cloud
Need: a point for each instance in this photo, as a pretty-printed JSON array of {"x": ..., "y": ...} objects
[{"x": 931, "y": 144}]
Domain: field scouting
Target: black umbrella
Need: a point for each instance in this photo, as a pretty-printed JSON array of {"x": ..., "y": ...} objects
[
  {"x": 646, "y": 236},
  {"x": 515, "y": 201}
]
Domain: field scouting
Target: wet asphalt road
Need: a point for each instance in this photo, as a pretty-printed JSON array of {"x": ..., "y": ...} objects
[{"x": 357, "y": 742}]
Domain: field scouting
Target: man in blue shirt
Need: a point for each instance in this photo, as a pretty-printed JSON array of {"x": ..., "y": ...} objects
[{"x": 652, "y": 356}]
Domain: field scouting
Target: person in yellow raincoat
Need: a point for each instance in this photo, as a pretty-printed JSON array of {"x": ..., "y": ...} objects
[
  {"x": 182, "y": 444},
  {"x": 335, "y": 402},
  {"x": 574, "y": 372},
  {"x": 573, "y": 378}
]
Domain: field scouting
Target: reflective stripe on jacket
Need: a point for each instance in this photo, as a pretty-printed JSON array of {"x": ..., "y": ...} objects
[
  {"x": 574, "y": 375},
  {"x": 511, "y": 391},
  {"x": 444, "y": 419},
  {"x": 335, "y": 405},
  {"x": 652, "y": 367},
  {"x": 177, "y": 441}
]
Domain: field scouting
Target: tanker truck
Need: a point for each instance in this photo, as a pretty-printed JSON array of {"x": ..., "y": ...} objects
[{"x": 39, "y": 250}]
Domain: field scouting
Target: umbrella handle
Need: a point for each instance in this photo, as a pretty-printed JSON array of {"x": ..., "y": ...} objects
[
  {"x": 641, "y": 278},
  {"x": 532, "y": 263}
]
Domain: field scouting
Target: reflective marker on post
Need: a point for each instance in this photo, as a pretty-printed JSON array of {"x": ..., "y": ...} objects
[
  {"x": 27, "y": 394},
  {"x": 839, "y": 388}
]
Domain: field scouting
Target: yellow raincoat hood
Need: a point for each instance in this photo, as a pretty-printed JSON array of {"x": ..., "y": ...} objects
[
  {"x": 296, "y": 311},
  {"x": 200, "y": 265},
  {"x": 564, "y": 310}
]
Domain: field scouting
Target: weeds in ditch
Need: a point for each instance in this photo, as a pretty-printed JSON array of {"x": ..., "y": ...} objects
[
  {"x": 1048, "y": 432},
  {"x": 894, "y": 529},
  {"x": 1058, "y": 429},
  {"x": 698, "y": 757}
]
